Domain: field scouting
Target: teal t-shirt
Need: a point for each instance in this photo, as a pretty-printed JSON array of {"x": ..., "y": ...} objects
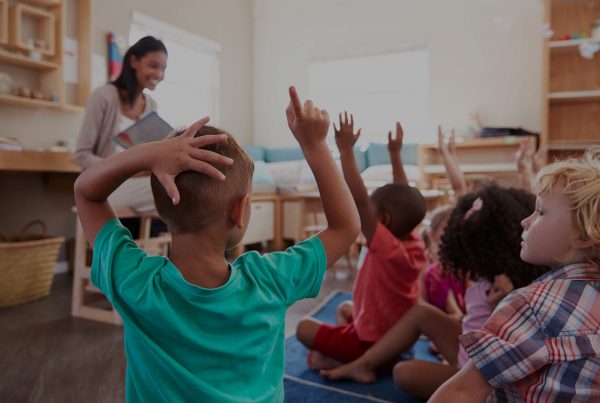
[{"x": 186, "y": 343}]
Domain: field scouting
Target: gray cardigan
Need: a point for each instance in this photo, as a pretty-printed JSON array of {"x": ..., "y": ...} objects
[{"x": 101, "y": 125}]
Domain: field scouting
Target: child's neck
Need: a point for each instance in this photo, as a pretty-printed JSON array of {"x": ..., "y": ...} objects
[{"x": 201, "y": 258}]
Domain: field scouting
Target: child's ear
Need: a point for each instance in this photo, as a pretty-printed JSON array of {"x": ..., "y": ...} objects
[
  {"x": 583, "y": 244},
  {"x": 386, "y": 219},
  {"x": 237, "y": 211}
]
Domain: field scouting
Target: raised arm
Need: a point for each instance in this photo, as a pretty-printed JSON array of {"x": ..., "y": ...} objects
[
  {"x": 448, "y": 155},
  {"x": 395, "y": 150},
  {"x": 524, "y": 161},
  {"x": 345, "y": 138},
  {"x": 166, "y": 159},
  {"x": 309, "y": 125}
]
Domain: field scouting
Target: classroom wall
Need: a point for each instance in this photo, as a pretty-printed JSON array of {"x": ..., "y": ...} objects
[
  {"x": 228, "y": 22},
  {"x": 485, "y": 55}
]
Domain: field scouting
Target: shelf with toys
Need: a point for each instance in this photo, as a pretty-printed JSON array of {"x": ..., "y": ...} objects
[
  {"x": 571, "y": 114},
  {"x": 31, "y": 54}
]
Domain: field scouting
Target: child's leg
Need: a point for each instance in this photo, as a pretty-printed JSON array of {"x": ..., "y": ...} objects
[
  {"x": 343, "y": 313},
  {"x": 422, "y": 318},
  {"x": 421, "y": 378},
  {"x": 330, "y": 345}
]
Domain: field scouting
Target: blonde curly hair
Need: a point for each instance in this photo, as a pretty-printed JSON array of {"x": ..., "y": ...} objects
[{"x": 581, "y": 180}]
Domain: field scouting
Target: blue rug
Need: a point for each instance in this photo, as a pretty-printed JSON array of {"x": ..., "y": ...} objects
[{"x": 304, "y": 385}]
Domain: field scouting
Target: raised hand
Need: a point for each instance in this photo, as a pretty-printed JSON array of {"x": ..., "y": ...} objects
[
  {"x": 524, "y": 156},
  {"x": 345, "y": 138},
  {"x": 184, "y": 153},
  {"x": 309, "y": 124},
  {"x": 442, "y": 145},
  {"x": 537, "y": 161},
  {"x": 395, "y": 144}
]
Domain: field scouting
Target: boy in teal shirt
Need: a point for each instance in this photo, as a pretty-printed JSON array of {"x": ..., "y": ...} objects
[{"x": 196, "y": 327}]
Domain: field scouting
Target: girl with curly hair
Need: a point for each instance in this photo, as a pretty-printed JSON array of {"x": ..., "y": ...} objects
[{"x": 481, "y": 245}]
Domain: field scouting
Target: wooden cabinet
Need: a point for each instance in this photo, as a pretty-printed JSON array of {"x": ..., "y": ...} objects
[
  {"x": 492, "y": 157},
  {"x": 31, "y": 53},
  {"x": 571, "y": 119}
]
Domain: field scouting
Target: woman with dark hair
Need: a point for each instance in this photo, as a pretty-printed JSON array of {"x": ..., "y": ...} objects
[{"x": 114, "y": 107}]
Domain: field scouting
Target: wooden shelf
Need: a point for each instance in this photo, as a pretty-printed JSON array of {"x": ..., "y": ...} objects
[
  {"x": 22, "y": 101},
  {"x": 573, "y": 43},
  {"x": 24, "y": 61},
  {"x": 480, "y": 142},
  {"x": 574, "y": 96},
  {"x": 38, "y": 161},
  {"x": 44, "y": 3},
  {"x": 572, "y": 145},
  {"x": 570, "y": 46}
]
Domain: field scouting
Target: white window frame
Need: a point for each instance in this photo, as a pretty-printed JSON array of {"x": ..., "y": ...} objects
[{"x": 163, "y": 30}]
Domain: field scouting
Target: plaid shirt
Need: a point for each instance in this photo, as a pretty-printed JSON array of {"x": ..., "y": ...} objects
[{"x": 542, "y": 343}]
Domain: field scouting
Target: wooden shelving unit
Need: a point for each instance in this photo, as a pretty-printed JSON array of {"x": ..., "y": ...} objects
[
  {"x": 43, "y": 19},
  {"x": 3, "y": 22},
  {"x": 488, "y": 156},
  {"x": 571, "y": 114},
  {"x": 44, "y": 28}
]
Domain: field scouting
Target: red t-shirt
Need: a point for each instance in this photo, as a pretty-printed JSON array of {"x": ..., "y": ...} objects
[{"x": 387, "y": 283}]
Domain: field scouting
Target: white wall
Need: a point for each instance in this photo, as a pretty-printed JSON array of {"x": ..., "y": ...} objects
[
  {"x": 484, "y": 55},
  {"x": 229, "y": 22}
]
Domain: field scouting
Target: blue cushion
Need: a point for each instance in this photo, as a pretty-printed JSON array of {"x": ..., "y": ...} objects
[
  {"x": 283, "y": 154},
  {"x": 361, "y": 158},
  {"x": 257, "y": 153},
  {"x": 261, "y": 174},
  {"x": 377, "y": 154}
]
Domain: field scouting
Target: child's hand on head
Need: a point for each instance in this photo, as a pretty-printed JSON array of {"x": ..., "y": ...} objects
[
  {"x": 501, "y": 288},
  {"x": 395, "y": 144},
  {"x": 309, "y": 124},
  {"x": 183, "y": 153},
  {"x": 345, "y": 138}
]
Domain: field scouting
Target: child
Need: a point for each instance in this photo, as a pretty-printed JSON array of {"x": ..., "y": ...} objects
[
  {"x": 440, "y": 287},
  {"x": 198, "y": 328},
  {"x": 489, "y": 217},
  {"x": 542, "y": 343},
  {"x": 387, "y": 284}
]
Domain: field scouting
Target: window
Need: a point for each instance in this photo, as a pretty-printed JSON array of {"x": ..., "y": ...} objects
[
  {"x": 190, "y": 89},
  {"x": 379, "y": 90}
]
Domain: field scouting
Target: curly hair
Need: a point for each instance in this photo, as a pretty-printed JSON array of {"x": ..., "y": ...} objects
[{"x": 488, "y": 242}]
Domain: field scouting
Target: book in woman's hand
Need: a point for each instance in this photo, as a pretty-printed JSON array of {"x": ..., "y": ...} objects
[{"x": 149, "y": 128}]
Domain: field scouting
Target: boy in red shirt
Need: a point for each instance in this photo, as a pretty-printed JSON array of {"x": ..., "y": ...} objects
[{"x": 387, "y": 283}]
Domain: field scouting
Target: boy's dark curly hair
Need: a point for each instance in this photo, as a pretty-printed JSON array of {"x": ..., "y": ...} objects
[{"x": 488, "y": 243}]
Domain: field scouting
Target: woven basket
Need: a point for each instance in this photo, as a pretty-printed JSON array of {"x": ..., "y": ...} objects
[{"x": 27, "y": 265}]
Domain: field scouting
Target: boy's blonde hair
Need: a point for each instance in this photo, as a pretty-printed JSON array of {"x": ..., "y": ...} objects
[
  {"x": 581, "y": 180},
  {"x": 205, "y": 200}
]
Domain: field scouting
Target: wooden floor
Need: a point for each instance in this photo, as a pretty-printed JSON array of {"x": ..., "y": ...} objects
[{"x": 48, "y": 356}]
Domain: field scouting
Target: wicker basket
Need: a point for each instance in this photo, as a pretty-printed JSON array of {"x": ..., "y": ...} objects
[{"x": 27, "y": 265}]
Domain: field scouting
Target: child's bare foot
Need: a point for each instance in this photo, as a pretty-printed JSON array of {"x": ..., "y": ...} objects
[
  {"x": 317, "y": 360},
  {"x": 353, "y": 370}
]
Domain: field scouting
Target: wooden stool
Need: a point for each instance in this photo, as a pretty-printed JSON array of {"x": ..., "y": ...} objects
[{"x": 87, "y": 301}]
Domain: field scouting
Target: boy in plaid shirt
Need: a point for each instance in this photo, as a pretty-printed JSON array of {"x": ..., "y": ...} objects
[{"x": 542, "y": 343}]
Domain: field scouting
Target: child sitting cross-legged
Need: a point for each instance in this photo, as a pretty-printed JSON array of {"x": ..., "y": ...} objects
[
  {"x": 198, "y": 329},
  {"x": 480, "y": 244},
  {"x": 387, "y": 283},
  {"x": 542, "y": 343}
]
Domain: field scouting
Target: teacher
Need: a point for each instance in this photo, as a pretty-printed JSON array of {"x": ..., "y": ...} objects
[{"x": 114, "y": 107}]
